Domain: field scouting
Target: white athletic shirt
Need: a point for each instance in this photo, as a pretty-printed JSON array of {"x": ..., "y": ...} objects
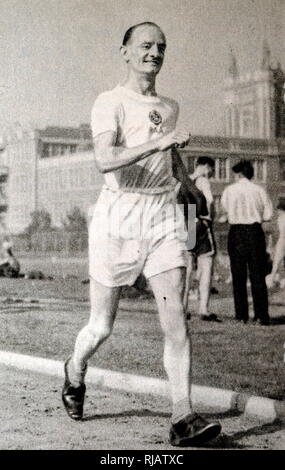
[{"x": 137, "y": 119}]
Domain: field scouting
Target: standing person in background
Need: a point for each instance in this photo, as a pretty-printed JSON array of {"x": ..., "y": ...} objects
[
  {"x": 279, "y": 251},
  {"x": 202, "y": 255},
  {"x": 246, "y": 205}
]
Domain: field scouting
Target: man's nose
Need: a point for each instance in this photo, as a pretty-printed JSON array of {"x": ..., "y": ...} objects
[{"x": 154, "y": 51}]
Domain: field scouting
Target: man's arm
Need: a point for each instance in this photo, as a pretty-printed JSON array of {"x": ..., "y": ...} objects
[
  {"x": 279, "y": 253},
  {"x": 268, "y": 207},
  {"x": 223, "y": 208},
  {"x": 108, "y": 157},
  {"x": 189, "y": 192}
]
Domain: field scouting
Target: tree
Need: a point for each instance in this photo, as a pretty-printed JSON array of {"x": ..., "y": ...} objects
[
  {"x": 75, "y": 221},
  {"x": 76, "y": 226},
  {"x": 40, "y": 222}
]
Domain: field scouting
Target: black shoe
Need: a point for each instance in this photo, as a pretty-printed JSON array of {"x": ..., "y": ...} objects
[
  {"x": 211, "y": 317},
  {"x": 264, "y": 322},
  {"x": 214, "y": 290},
  {"x": 73, "y": 397},
  {"x": 188, "y": 316},
  {"x": 193, "y": 431}
]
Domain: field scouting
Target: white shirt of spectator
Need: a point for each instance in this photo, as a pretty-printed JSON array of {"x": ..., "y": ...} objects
[
  {"x": 137, "y": 119},
  {"x": 246, "y": 203}
]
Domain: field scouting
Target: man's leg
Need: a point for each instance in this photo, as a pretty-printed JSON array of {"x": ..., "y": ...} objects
[
  {"x": 205, "y": 268},
  {"x": 168, "y": 291},
  {"x": 256, "y": 266},
  {"x": 104, "y": 304},
  {"x": 187, "y": 427},
  {"x": 189, "y": 271},
  {"x": 239, "y": 273}
]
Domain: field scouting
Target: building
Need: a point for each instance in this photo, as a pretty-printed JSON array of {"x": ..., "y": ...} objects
[
  {"x": 54, "y": 168},
  {"x": 253, "y": 103},
  {"x": 51, "y": 169}
]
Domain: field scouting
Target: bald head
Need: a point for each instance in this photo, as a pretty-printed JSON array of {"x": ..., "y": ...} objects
[{"x": 129, "y": 33}]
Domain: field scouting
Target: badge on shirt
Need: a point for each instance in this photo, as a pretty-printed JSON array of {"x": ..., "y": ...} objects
[{"x": 156, "y": 119}]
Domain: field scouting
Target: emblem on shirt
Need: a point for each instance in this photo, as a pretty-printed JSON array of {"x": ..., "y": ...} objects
[{"x": 155, "y": 117}]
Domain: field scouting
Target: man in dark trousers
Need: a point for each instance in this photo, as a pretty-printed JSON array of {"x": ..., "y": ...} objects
[{"x": 246, "y": 206}]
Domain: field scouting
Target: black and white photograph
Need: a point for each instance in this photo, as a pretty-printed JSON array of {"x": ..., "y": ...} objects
[{"x": 142, "y": 228}]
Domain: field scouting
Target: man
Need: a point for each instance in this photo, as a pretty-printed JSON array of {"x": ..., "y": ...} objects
[
  {"x": 246, "y": 206},
  {"x": 202, "y": 255},
  {"x": 133, "y": 127},
  {"x": 279, "y": 252}
]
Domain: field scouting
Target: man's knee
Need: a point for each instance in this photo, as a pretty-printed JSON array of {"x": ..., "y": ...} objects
[
  {"x": 99, "y": 328},
  {"x": 174, "y": 326},
  {"x": 177, "y": 336}
]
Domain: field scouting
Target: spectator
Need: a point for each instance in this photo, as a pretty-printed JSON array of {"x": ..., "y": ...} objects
[
  {"x": 202, "y": 255},
  {"x": 246, "y": 205}
]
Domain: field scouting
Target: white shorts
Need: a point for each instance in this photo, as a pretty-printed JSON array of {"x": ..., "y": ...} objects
[{"x": 131, "y": 233}]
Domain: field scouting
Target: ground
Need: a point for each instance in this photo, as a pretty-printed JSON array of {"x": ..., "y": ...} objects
[
  {"x": 42, "y": 318},
  {"x": 33, "y": 418}
]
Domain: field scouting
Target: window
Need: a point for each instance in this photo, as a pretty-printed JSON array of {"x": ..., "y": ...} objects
[
  {"x": 217, "y": 205},
  {"x": 246, "y": 122},
  {"x": 222, "y": 169},
  {"x": 45, "y": 151},
  {"x": 260, "y": 169}
]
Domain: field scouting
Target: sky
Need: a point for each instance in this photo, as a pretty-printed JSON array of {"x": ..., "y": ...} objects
[{"x": 57, "y": 55}]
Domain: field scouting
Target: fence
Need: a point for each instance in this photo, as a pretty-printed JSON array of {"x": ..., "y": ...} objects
[
  {"x": 77, "y": 242},
  {"x": 45, "y": 242}
]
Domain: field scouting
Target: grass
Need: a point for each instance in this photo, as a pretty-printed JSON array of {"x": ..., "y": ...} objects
[{"x": 247, "y": 358}]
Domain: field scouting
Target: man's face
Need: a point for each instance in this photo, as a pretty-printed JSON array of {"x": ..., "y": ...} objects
[
  {"x": 145, "y": 51},
  {"x": 208, "y": 171}
]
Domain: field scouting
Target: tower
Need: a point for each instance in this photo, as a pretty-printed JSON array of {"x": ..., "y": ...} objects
[{"x": 253, "y": 102}]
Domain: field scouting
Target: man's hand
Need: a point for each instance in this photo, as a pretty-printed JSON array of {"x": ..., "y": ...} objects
[
  {"x": 178, "y": 138},
  {"x": 270, "y": 280}
]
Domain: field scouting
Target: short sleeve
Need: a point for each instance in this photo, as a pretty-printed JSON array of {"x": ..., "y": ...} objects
[{"x": 104, "y": 116}]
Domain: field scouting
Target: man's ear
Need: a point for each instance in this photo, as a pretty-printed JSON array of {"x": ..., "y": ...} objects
[{"x": 124, "y": 53}]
